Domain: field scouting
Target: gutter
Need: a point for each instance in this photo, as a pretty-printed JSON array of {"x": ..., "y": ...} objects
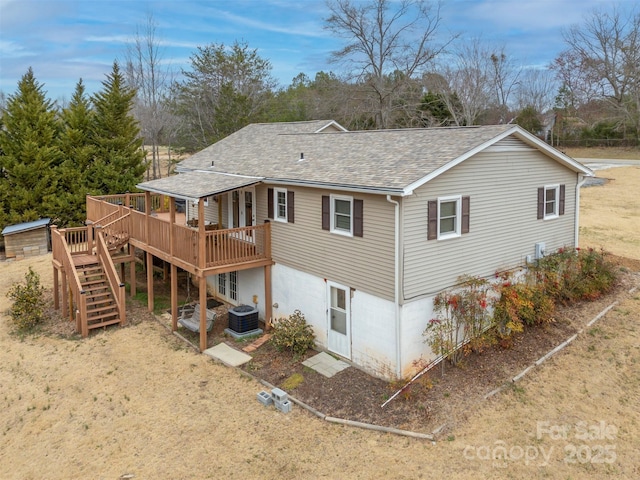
[
  {"x": 581, "y": 180},
  {"x": 396, "y": 293}
]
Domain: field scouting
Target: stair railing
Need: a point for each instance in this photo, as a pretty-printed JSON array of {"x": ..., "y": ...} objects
[
  {"x": 62, "y": 253},
  {"x": 117, "y": 287},
  {"x": 119, "y": 225}
]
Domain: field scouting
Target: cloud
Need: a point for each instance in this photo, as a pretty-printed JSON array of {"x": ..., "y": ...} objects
[{"x": 9, "y": 49}]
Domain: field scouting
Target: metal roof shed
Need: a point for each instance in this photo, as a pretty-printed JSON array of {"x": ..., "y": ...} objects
[{"x": 27, "y": 239}]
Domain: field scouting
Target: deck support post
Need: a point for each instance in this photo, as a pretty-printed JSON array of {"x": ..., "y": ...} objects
[
  {"x": 202, "y": 284},
  {"x": 56, "y": 286},
  {"x": 132, "y": 271},
  {"x": 174, "y": 298},
  {"x": 149, "y": 281},
  {"x": 64, "y": 293}
]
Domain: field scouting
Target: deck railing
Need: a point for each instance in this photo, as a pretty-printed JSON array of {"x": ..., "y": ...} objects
[
  {"x": 61, "y": 250},
  {"x": 221, "y": 247},
  {"x": 117, "y": 286}
]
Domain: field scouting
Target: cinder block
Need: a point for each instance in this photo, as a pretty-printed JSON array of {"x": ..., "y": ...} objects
[
  {"x": 284, "y": 407},
  {"x": 279, "y": 395},
  {"x": 264, "y": 398}
]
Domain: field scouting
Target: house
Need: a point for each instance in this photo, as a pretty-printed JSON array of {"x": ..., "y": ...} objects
[
  {"x": 360, "y": 230},
  {"x": 27, "y": 239}
]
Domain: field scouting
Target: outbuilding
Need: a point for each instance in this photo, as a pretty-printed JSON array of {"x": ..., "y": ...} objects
[{"x": 27, "y": 239}]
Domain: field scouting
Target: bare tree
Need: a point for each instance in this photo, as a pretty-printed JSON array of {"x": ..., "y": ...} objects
[
  {"x": 505, "y": 78},
  {"x": 387, "y": 45},
  {"x": 151, "y": 78},
  {"x": 604, "y": 52},
  {"x": 536, "y": 88},
  {"x": 467, "y": 82}
]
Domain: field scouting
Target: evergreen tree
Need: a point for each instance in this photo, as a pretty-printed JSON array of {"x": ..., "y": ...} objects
[
  {"x": 78, "y": 150},
  {"x": 118, "y": 163},
  {"x": 30, "y": 159}
]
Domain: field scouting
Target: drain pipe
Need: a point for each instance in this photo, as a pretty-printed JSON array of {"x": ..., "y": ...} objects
[
  {"x": 396, "y": 293},
  {"x": 581, "y": 181}
]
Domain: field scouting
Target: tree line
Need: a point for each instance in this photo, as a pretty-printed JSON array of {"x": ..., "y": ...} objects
[
  {"x": 51, "y": 159},
  {"x": 395, "y": 69}
]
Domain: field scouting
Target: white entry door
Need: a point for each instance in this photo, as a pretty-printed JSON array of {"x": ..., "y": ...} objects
[{"x": 339, "y": 321}]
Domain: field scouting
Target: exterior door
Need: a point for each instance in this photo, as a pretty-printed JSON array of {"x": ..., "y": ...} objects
[
  {"x": 339, "y": 321},
  {"x": 242, "y": 210}
]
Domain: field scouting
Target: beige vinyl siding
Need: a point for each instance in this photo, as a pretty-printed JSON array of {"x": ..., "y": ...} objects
[
  {"x": 504, "y": 228},
  {"x": 365, "y": 263}
]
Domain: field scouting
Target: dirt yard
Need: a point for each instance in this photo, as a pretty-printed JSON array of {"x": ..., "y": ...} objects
[{"x": 135, "y": 402}]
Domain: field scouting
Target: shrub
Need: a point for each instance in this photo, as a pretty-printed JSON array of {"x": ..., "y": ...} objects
[
  {"x": 519, "y": 304},
  {"x": 28, "y": 298},
  {"x": 461, "y": 319},
  {"x": 571, "y": 275},
  {"x": 293, "y": 334}
]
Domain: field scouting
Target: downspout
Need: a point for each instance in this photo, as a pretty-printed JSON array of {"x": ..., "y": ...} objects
[
  {"x": 581, "y": 181},
  {"x": 396, "y": 293}
]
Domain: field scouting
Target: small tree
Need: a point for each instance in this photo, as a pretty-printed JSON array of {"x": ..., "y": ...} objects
[{"x": 27, "y": 310}]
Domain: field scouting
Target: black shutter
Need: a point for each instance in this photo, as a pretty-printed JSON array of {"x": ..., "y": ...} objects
[
  {"x": 269, "y": 202},
  {"x": 326, "y": 213},
  {"x": 561, "y": 204},
  {"x": 290, "y": 207},
  {"x": 540, "y": 203},
  {"x": 466, "y": 214},
  {"x": 432, "y": 232},
  {"x": 358, "y": 218}
]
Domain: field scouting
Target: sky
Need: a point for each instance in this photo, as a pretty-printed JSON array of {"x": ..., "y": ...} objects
[{"x": 65, "y": 40}]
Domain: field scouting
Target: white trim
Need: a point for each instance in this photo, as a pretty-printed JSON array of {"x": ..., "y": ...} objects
[
  {"x": 332, "y": 212},
  {"x": 332, "y": 123},
  {"x": 458, "y": 220},
  {"x": 556, "y": 205},
  {"x": 276, "y": 216}
]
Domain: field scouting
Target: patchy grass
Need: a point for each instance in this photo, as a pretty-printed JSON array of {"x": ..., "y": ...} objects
[{"x": 621, "y": 153}]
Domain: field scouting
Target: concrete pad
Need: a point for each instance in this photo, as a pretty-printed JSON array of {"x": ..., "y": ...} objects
[
  {"x": 227, "y": 355},
  {"x": 325, "y": 364}
]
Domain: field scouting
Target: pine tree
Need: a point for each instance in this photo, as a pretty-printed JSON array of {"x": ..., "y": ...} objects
[
  {"x": 30, "y": 159},
  {"x": 78, "y": 150},
  {"x": 118, "y": 163}
]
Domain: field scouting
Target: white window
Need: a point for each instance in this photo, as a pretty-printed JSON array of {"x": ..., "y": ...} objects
[
  {"x": 449, "y": 217},
  {"x": 280, "y": 204},
  {"x": 342, "y": 215},
  {"x": 551, "y": 201}
]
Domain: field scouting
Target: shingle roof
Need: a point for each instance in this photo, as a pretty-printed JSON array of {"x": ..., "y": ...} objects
[
  {"x": 23, "y": 227},
  {"x": 384, "y": 161}
]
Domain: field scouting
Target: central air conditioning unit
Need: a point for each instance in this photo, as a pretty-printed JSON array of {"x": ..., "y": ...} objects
[{"x": 243, "y": 319}]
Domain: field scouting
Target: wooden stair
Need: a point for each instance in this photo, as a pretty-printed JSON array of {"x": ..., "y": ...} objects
[{"x": 101, "y": 306}]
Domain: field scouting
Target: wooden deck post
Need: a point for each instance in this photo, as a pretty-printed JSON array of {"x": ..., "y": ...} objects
[
  {"x": 132, "y": 271},
  {"x": 202, "y": 260},
  {"x": 56, "y": 287},
  {"x": 89, "y": 236},
  {"x": 202, "y": 283},
  {"x": 174, "y": 298},
  {"x": 64, "y": 293},
  {"x": 149, "y": 281},
  {"x": 147, "y": 215}
]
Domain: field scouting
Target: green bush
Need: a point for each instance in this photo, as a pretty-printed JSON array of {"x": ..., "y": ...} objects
[
  {"x": 573, "y": 275},
  {"x": 28, "y": 298},
  {"x": 293, "y": 334}
]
